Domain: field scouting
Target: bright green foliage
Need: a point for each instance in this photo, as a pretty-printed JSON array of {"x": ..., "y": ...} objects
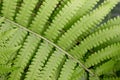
[
  {"x": 103, "y": 54},
  {"x": 111, "y": 22},
  {"x": 105, "y": 68},
  {"x": 8, "y": 8},
  {"x": 43, "y": 15},
  {"x": 52, "y": 65},
  {"x": 62, "y": 18},
  {"x": 79, "y": 73},
  {"x": 98, "y": 38},
  {"x": 7, "y": 53},
  {"x": 24, "y": 14},
  {"x": 40, "y": 57},
  {"x": 67, "y": 70},
  {"x": 59, "y": 40},
  {"x": 24, "y": 56}
]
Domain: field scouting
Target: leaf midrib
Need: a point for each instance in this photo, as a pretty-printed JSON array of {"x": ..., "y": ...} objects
[{"x": 50, "y": 42}]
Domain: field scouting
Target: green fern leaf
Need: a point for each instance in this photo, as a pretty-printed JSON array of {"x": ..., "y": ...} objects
[
  {"x": 102, "y": 55},
  {"x": 38, "y": 61},
  {"x": 8, "y": 8},
  {"x": 81, "y": 26},
  {"x": 25, "y": 12},
  {"x": 105, "y": 68},
  {"x": 43, "y": 15},
  {"x": 51, "y": 39},
  {"x": 67, "y": 70},
  {"x": 24, "y": 56},
  {"x": 57, "y": 25},
  {"x": 52, "y": 65},
  {"x": 79, "y": 74},
  {"x": 99, "y": 38}
]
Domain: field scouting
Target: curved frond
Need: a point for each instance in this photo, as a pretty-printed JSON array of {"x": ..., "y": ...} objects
[
  {"x": 79, "y": 74},
  {"x": 43, "y": 15},
  {"x": 95, "y": 40},
  {"x": 86, "y": 23},
  {"x": 23, "y": 57},
  {"x": 8, "y": 9},
  {"x": 49, "y": 71},
  {"x": 62, "y": 18},
  {"x": 109, "y": 23},
  {"x": 5, "y": 69},
  {"x": 67, "y": 70},
  {"x": 103, "y": 54},
  {"x": 17, "y": 38},
  {"x": 6, "y": 54},
  {"x": 38, "y": 61},
  {"x": 105, "y": 68},
  {"x": 25, "y": 12}
]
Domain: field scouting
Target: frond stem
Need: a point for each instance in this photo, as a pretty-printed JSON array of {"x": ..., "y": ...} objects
[{"x": 59, "y": 48}]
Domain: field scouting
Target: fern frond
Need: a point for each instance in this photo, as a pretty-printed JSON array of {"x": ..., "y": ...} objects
[
  {"x": 67, "y": 70},
  {"x": 35, "y": 60},
  {"x": 6, "y": 54},
  {"x": 56, "y": 35},
  {"x": 85, "y": 9},
  {"x": 86, "y": 23},
  {"x": 37, "y": 55},
  {"x": 109, "y": 23},
  {"x": 53, "y": 63},
  {"x": 103, "y": 54},
  {"x": 5, "y": 26},
  {"x": 17, "y": 38},
  {"x": 8, "y": 8},
  {"x": 79, "y": 74},
  {"x": 6, "y": 35},
  {"x": 24, "y": 55},
  {"x": 62, "y": 18},
  {"x": 43, "y": 15},
  {"x": 108, "y": 67},
  {"x": 25, "y": 12},
  {"x": 58, "y": 8},
  {"x": 94, "y": 77},
  {"x": 5, "y": 69},
  {"x": 52, "y": 35},
  {"x": 19, "y": 35},
  {"x": 95, "y": 40},
  {"x": 105, "y": 68},
  {"x": 38, "y": 61}
]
